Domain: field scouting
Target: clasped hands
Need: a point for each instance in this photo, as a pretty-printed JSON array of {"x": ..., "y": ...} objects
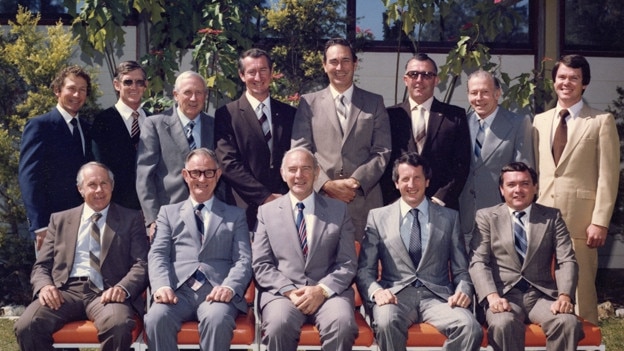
[{"x": 307, "y": 299}]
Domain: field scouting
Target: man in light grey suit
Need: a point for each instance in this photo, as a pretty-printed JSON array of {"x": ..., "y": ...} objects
[
  {"x": 347, "y": 129},
  {"x": 499, "y": 137},
  {"x": 165, "y": 141},
  {"x": 304, "y": 261},
  {"x": 514, "y": 245},
  {"x": 424, "y": 275},
  {"x": 199, "y": 263}
]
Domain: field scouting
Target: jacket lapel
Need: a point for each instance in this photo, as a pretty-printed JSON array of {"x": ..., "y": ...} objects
[
  {"x": 320, "y": 219},
  {"x": 499, "y": 131},
  {"x": 112, "y": 222},
  {"x": 175, "y": 130},
  {"x": 391, "y": 225},
  {"x": 582, "y": 123},
  {"x": 216, "y": 218},
  {"x": 537, "y": 224},
  {"x": 501, "y": 231}
]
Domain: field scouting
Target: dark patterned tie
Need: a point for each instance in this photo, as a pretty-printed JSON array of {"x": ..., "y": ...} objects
[
  {"x": 301, "y": 229},
  {"x": 520, "y": 238},
  {"x": 561, "y": 136},
  {"x": 135, "y": 132},
  {"x": 189, "y": 135},
  {"x": 264, "y": 124},
  {"x": 479, "y": 139},
  {"x": 95, "y": 250},
  {"x": 415, "y": 244},
  {"x": 199, "y": 220},
  {"x": 76, "y": 139}
]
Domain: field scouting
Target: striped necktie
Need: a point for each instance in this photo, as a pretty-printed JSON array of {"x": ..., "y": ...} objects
[
  {"x": 95, "y": 249},
  {"x": 520, "y": 238},
  {"x": 189, "y": 135},
  {"x": 301, "y": 229},
  {"x": 135, "y": 132},
  {"x": 264, "y": 123},
  {"x": 479, "y": 139}
]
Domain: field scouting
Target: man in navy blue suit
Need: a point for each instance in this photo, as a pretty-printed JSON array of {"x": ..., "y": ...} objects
[{"x": 53, "y": 147}]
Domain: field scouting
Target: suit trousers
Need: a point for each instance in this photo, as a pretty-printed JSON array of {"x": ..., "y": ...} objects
[
  {"x": 506, "y": 329},
  {"x": 114, "y": 321},
  {"x": 282, "y": 321},
  {"x": 216, "y": 320},
  {"x": 418, "y": 305},
  {"x": 586, "y": 296}
]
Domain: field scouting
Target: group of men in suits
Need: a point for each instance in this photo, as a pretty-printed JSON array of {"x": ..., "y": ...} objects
[{"x": 349, "y": 155}]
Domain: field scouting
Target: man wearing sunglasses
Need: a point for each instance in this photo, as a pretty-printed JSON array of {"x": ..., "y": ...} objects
[
  {"x": 199, "y": 263},
  {"x": 435, "y": 130},
  {"x": 116, "y": 132}
]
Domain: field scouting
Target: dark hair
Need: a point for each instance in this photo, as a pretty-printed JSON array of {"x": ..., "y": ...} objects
[
  {"x": 126, "y": 67},
  {"x": 413, "y": 159},
  {"x": 517, "y": 167},
  {"x": 338, "y": 41},
  {"x": 574, "y": 61},
  {"x": 75, "y": 70},
  {"x": 422, "y": 57},
  {"x": 254, "y": 53}
]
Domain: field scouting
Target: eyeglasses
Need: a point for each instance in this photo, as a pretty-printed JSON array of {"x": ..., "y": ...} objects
[
  {"x": 129, "y": 82},
  {"x": 424, "y": 75},
  {"x": 196, "y": 173}
]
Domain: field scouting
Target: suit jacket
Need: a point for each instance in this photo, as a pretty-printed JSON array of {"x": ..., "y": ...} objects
[
  {"x": 585, "y": 182},
  {"x": 278, "y": 261},
  {"x": 250, "y": 168},
  {"x": 444, "y": 254},
  {"x": 162, "y": 150},
  {"x": 48, "y": 167},
  {"x": 224, "y": 256},
  {"x": 113, "y": 147},
  {"x": 447, "y": 148},
  {"x": 123, "y": 258},
  {"x": 509, "y": 140},
  {"x": 362, "y": 153},
  {"x": 495, "y": 266}
]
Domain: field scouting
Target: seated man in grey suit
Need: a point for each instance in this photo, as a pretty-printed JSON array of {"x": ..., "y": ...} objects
[
  {"x": 417, "y": 242},
  {"x": 514, "y": 244},
  {"x": 199, "y": 262},
  {"x": 304, "y": 261},
  {"x": 92, "y": 265}
]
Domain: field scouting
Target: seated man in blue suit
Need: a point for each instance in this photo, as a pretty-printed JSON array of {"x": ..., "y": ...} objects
[
  {"x": 199, "y": 263},
  {"x": 417, "y": 243}
]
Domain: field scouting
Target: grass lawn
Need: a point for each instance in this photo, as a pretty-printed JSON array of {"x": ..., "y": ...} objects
[{"x": 612, "y": 335}]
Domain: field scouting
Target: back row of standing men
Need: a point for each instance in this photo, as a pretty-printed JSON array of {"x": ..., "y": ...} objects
[{"x": 354, "y": 138}]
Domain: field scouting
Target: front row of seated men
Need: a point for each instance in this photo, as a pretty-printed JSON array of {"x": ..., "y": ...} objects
[{"x": 93, "y": 265}]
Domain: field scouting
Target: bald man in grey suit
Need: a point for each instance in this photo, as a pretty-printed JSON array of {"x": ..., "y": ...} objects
[
  {"x": 164, "y": 145},
  {"x": 305, "y": 279},
  {"x": 514, "y": 244}
]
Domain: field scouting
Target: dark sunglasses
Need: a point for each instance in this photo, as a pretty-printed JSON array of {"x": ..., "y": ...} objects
[
  {"x": 424, "y": 75},
  {"x": 138, "y": 82}
]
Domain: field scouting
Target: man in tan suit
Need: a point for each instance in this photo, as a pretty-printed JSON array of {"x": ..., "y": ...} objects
[
  {"x": 514, "y": 244},
  {"x": 578, "y": 161},
  {"x": 348, "y": 131}
]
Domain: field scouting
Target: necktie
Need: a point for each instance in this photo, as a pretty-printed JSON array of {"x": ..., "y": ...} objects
[
  {"x": 199, "y": 220},
  {"x": 264, "y": 123},
  {"x": 415, "y": 244},
  {"x": 479, "y": 139},
  {"x": 135, "y": 132},
  {"x": 561, "y": 136},
  {"x": 301, "y": 229},
  {"x": 76, "y": 139},
  {"x": 341, "y": 111},
  {"x": 189, "y": 135},
  {"x": 94, "y": 251},
  {"x": 420, "y": 131},
  {"x": 520, "y": 238}
]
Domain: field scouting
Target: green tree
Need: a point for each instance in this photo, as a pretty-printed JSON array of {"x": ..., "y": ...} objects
[{"x": 29, "y": 59}]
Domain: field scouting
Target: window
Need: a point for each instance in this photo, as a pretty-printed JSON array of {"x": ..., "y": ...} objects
[
  {"x": 593, "y": 26},
  {"x": 51, "y": 10}
]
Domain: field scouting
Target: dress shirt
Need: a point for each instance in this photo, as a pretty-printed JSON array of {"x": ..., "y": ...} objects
[
  {"x": 427, "y": 105},
  {"x": 308, "y": 214},
  {"x": 67, "y": 117},
  {"x": 205, "y": 212},
  {"x": 82, "y": 262},
  {"x": 196, "y": 129},
  {"x": 473, "y": 125},
  {"x": 255, "y": 104},
  {"x": 348, "y": 97},
  {"x": 407, "y": 220},
  {"x": 525, "y": 221},
  {"x": 126, "y": 115},
  {"x": 574, "y": 110}
]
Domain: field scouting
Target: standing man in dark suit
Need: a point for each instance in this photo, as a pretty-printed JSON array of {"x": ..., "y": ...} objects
[
  {"x": 514, "y": 246},
  {"x": 437, "y": 131},
  {"x": 53, "y": 147},
  {"x": 199, "y": 262},
  {"x": 252, "y": 134},
  {"x": 116, "y": 132},
  {"x": 165, "y": 141},
  {"x": 424, "y": 276},
  {"x": 347, "y": 130},
  {"x": 92, "y": 265},
  {"x": 304, "y": 261},
  {"x": 499, "y": 137}
]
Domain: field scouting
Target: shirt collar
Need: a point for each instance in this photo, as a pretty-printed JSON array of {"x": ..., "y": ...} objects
[
  {"x": 66, "y": 116},
  {"x": 574, "y": 110},
  {"x": 487, "y": 121},
  {"x": 527, "y": 211},
  {"x": 423, "y": 207},
  {"x": 207, "y": 204},
  {"x": 348, "y": 94},
  {"x": 255, "y": 102},
  {"x": 185, "y": 120},
  {"x": 427, "y": 104},
  {"x": 126, "y": 111},
  {"x": 308, "y": 202},
  {"x": 87, "y": 212}
]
